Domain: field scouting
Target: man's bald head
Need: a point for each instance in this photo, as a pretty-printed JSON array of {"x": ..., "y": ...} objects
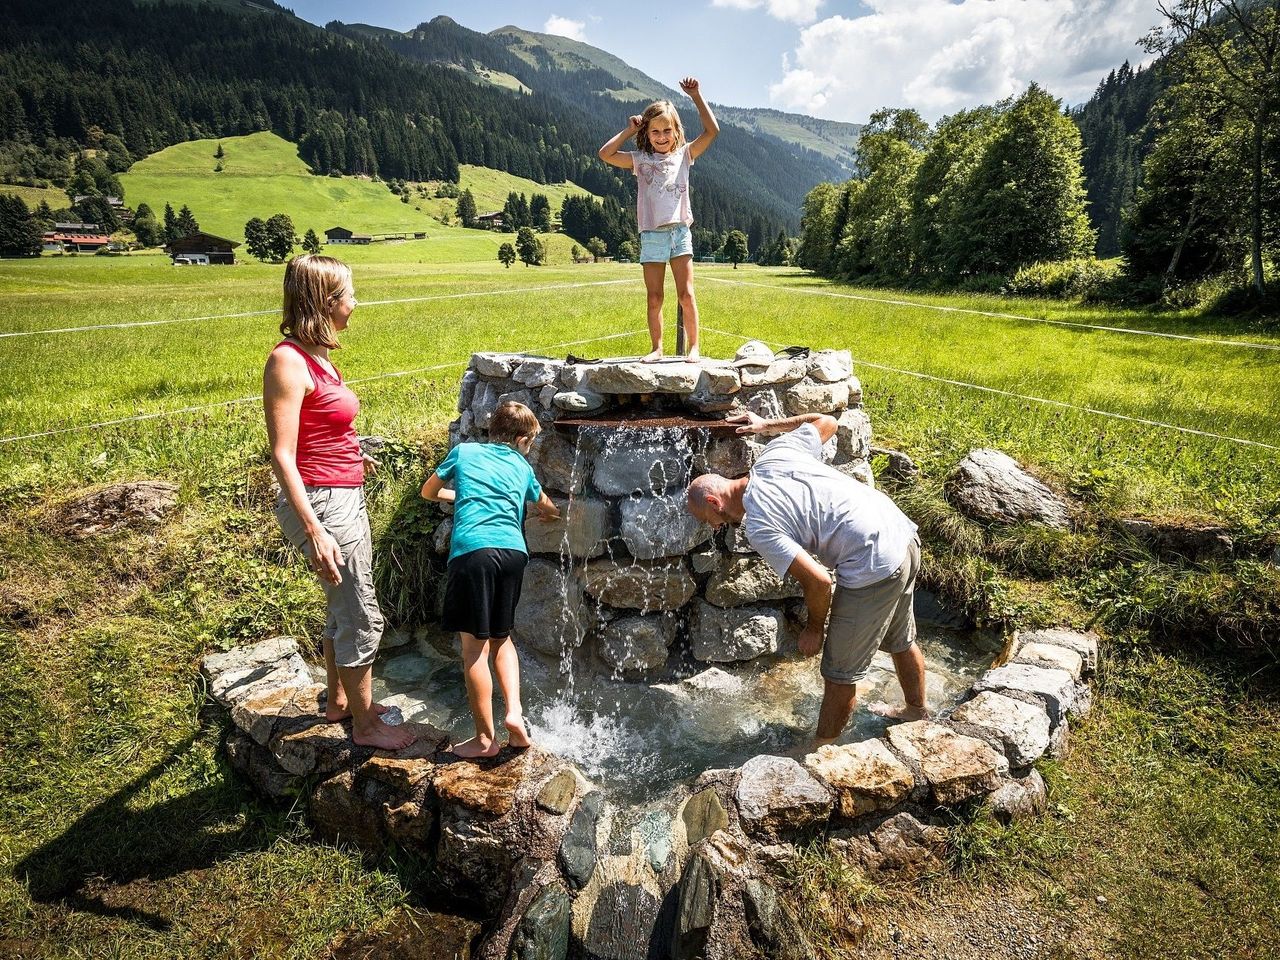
[{"x": 716, "y": 500}]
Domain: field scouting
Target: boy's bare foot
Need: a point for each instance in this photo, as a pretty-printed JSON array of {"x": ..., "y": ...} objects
[
  {"x": 652, "y": 357},
  {"x": 906, "y": 712},
  {"x": 517, "y": 734},
  {"x": 693, "y": 356},
  {"x": 475, "y": 748},
  {"x": 382, "y": 737},
  {"x": 341, "y": 711}
]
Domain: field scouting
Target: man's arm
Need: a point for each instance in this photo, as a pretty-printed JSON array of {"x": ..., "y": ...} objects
[
  {"x": 816, "y": 583},
  {"x": 751, "y": 423}
]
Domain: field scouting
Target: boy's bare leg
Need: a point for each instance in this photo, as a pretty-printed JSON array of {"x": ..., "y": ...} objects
[
  {"x": 475, "y": 670},
  {"x": 367, "y": 728},
  {"x": 506, "y": 663},
  {"x": 838, "y": 701},
  {"x": 335, "y": 702},
  {"x": 909, "y": 665},
  {"x": 655, "y": 275},
  {"x": 682, "y": 273}
]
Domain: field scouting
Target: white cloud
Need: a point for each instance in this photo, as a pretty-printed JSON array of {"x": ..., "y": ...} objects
[
  {"x": 564, "y": 27},
  {"x": 793, "y": 11},
  {"x": 942, "y": 55}
]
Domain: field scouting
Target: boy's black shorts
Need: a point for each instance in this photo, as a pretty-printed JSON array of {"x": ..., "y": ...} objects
[{"x": 481, "y": 592}]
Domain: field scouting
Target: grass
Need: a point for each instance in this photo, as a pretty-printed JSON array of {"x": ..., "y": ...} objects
[
  {"x": 123, "y": 833},
  {"x": 56, "y": 197}
]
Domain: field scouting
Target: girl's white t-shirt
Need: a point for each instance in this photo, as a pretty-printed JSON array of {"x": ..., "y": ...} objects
[{"x": 662, "y": 193}]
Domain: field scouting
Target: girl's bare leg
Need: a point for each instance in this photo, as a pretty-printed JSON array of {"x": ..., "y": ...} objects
[
  {"x": 682, "y": 273},
  {"x": 475, "y": 670},
  {"x": 506, "y": 663},
  {"x": 654, "y": 277}
]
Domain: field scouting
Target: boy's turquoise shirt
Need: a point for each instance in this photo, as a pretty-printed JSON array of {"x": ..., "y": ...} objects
[{"x": 492, "y": 482}]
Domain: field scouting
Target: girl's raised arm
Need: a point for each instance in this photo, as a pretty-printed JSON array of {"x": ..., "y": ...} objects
[
  {"x": 710, "y": 128},
  {"x": 609, "y": 152}
]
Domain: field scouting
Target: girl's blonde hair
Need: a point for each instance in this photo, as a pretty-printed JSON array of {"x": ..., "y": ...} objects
[
  {"x": 312, "y": 285},
  {"x": 659, "y": 108}
]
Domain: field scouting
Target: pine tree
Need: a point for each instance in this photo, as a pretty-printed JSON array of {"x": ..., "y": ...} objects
[
  {"x": 507, "y": 255},
  {"x": 186, "y": 223},
  {"x": 527, "y": 246},
  {"x": 467, "y": 208},
  {"x": 170, "y": 224},
  {"x": 311, "y": 242},
  {"x": 19, "y": 230},
  {"x": 540, "y": 212}
]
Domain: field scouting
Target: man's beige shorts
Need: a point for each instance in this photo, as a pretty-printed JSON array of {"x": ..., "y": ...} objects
[
  {"x": 355, "y": 620},
  {"x": 866, "y": 619}
]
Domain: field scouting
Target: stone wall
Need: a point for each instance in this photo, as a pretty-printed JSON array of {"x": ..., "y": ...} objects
[{"x": 627, "y": 571}]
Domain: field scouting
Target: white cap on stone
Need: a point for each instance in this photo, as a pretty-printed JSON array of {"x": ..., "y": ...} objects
[{"x": 753, "y": 353}]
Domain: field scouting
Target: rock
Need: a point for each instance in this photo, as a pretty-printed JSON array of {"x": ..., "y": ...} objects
[
  {"x": 644, "y": 586},
  {"x": 928, "y": 608},
  {"x": 536, "y": 372},
  {"x": 635, "y": 377},
  {"x": 989, "y": 486},
  {"x": 637, "y": 644},
  {"x": 563, "y": 461},
  {"x": 1022, "y": 728},
  {"x": 1018, "y": 799},
  {"x": 496, "y": 365},
  {"x": 725, "y": 635},
  {"x": 584, "y": 528},
  {"x": 855, "y": 392},
  {"x": 654, "y": 527},
  {"x": 712, "y": 876},
  {"x": 865, "y": 776},
  {"x": 858, "y": 470},
  {"x": 581, "y": 400},
  {"x": 705, "y": 558},
  {"x": 719, "y": 378},
  {"x": 1085, "y": 644},
  {"x": 810, "y": 396},
  {"x": 442, "y": 538},
  {"x": 467, "y": 390},
  {"x": 653, "y": 832},
  {"x": 556, "y": 795},
  {"x": 786, "y": 370},
  {"x": 409, "y": 934},
  {"x": 1055, "y": 688},
  {"x": 259, "y": 767},
  {"x": 395, "y": 637},
  {"x": 735, "y": 540},
  {"x": 899, "y": 845},
  {"x": 713, "y": 680},
  {"x": 703, "y": 814},
  {"x": 702, "y": 401},
  {"x": 773, "y": 929},
  {"x": 517, "y": 396},
  {"x": 139, "y": 504},
  {"x": 777, "y": 797},
  {"x": 546, "y": 400},
  {"x": 745, "y": 579},
  {"x": 483, "y": 404},
  {"x": 340, "y": 814},
  {"x": 899, "y": 467},
  {"x": 578, "y": 848},
  {"x": 551, "y": 614},
  {"x": 263, "y": 717},
  {"x": 622, "y": 922},
  {"x": 1052, "y": 656},
  {"x": 957, "y": 767},
  {"x": 764, "y": 403},
  {"x": 1174, "y": 541},
  {"x": 543, "y": 932},
  {"x": 318, "y": 749},
  {"x": 728, "y": 456},
  {"x": 830, "y": 366},
  {"x": 646, "y": 468},
  {"x": 853, "y": 436},
  {"x": 255, "y": 670}
]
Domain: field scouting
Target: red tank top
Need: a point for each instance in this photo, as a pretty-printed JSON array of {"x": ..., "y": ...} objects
[{"x": 328, "y": 451}]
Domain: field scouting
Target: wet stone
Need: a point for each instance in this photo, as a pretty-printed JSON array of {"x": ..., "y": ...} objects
[
  {"x": 736, "y": 633},
  {"x": 659, "y": 585},
  {"x": 578, "y": 848},
  {"x": 622, "y": 922},
  {"x": 551, "y": 613},
  {"x": 703, "y": 814},
  {"x": 957, "y": 767},
  {"x": 654, "y": 830},
  {"x": 628, "y": 469},
  {"x": 654, "y": 527},
  {"x": 584, "y": 528},
  {"x": 556, "y": 795},
  {"x": 776, "y": 796},
  {"x": 865, "y": 776},
  {"x": 637, "y": 644},
  {"x": 745, "y": 579},
  {"x": 543, "y": 931},
  {"x": 563, "y": 462}
]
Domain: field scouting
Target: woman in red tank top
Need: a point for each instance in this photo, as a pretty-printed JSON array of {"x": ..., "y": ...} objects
[{"x": 318, "y": 464}]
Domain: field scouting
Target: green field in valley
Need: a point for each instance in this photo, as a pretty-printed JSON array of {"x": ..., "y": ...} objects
[{"x": 125, "y": 833}]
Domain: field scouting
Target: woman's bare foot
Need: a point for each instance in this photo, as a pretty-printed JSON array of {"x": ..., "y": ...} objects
[
  {"x": 383, "y": 737},
  {"x": 475, "y": 748},
  {"x": 652, "y": 357},
  {"x": 517, "y": 734},
  {"x": 341, "y": 711},
  {"x": 905, "y": 712}
]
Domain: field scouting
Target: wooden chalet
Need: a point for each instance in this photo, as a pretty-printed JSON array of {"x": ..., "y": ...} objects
[
  {"x": 343, "y": 235},
  {"x": 202, "y": 247},
  {"x": 490, "y": 221},
  {"x": 60, "y": 241}
]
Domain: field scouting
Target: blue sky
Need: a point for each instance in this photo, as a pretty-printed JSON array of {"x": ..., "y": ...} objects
[{"x": 838, "y": 59}]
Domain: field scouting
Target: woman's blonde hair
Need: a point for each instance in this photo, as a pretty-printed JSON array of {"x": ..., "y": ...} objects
[
  {"x": 312, "y": 285},
  {"x": 659, "y": 108}
]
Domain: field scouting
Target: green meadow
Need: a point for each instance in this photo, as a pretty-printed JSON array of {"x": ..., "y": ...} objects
[{"x": 125, "y": 834}]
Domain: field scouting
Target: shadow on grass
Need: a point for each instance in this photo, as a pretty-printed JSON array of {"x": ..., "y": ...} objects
[{"x": 114, "y": 843}]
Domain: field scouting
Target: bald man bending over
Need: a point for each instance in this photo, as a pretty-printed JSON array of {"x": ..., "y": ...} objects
[{"x": 803, "y": 517}]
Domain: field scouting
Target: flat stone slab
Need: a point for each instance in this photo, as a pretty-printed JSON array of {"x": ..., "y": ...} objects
[
  {"x": 1051, "y": 655},
  {"x": 1023, "y": 728},
  {"x": 636, "y": 377},
  {"x": 1056, "y": 688},
  {"x": 489, "y": 786},
  {"x": 830, "y": 366},
  {"x": 644, "y": 586},
  {"x": 263, "y": 716},
  {"x": 255, "y": 670},
  {"x": 957, "y": 767},
  {"x": 1085, "y": 644},
  {"x": 990, "y": 486},
  {"x": 584, "y": 528},
  {"x": 865, "y": 776},
  {"x": 776, "y": 796}
]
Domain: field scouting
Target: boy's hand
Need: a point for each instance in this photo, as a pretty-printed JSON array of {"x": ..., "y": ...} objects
[
  {"x": 690, "y": 86},
  {"x": 549, "y": 513}
]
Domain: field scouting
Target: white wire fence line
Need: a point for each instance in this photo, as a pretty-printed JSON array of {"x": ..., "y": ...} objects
[
  {"x": 1210, "y": 341},
  {"x": 276, "y": 310},
  {"x": 160, "y": 414},
  {"x": 1062, "y": 404}
]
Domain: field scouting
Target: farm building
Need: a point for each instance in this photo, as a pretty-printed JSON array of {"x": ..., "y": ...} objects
[
  {"x": 61, "y": 241},
  {"x": 490, "y": 221},
  {"x": 202, "y": 248},
  {"x": 343, "y": 235}
]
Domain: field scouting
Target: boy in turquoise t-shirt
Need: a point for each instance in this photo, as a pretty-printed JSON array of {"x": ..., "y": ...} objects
[{"x": 492, "y": 482}]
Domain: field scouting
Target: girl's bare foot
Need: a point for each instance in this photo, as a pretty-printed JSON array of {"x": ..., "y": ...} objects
[
  {"x": 379, "y": 735},
  {"x": 652, "y": 357},
  {"x": 693, "y": 356},
  {"x": 517, "y": 734},
  {"x": 475, "y": 748},
  {"x": 906, "y": 712},
  {"x": 341, "y": 711}
]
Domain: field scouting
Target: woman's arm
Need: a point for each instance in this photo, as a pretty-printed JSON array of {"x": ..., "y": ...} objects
[
  {"x": 710, "y": 128},
  {"x": 609, "y": 152},
  {"x": 284, "y": 384},
  {"x": 435, "y": 491}
]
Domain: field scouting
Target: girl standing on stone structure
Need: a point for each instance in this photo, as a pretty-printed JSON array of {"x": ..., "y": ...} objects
[
  {"x": 663, "y": 211},
  {"x": 320, "y": 468}
]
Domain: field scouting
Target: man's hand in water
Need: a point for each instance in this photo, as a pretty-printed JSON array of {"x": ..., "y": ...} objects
[{"x": 809, "y": 641}]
